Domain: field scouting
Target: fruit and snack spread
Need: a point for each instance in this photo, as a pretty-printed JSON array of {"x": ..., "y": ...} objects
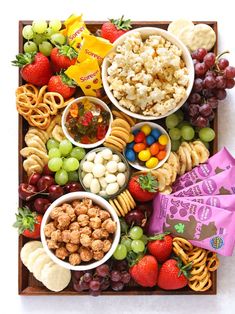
[{"x": 152, "y": 208}]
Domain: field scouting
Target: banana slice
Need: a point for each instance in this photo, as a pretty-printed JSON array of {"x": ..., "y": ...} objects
[
  {"x": 28, "y": 248},
  {"x": 27, "y": 151},
  {"x": 57, "y": 133},
  {"x": 55, "y": 277}
]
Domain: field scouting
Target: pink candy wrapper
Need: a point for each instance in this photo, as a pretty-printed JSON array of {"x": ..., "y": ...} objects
[
  {"x": 204, "y": 226},
  {"x": 217, "y": 163},
  {"x": 221, "y": 201},
  {"x": 220, "y": 184}
]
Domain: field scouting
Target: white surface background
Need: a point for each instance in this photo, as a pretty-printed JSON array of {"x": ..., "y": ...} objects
[{"x": 12, "y": 11}]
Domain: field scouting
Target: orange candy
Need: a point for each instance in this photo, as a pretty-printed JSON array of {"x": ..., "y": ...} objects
[
  {"x": 154, "y": 149},
  {"x": 161, "y": 147},
  {"x": 161, "y": 155},
  {"x": 139, "y": 147}
]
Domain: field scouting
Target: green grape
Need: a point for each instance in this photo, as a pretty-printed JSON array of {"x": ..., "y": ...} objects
[
  {"x": 61, "y": 177},
  {"x": 27, "y": 32},
  {"x": 30, "y": 46},
  {"x": 65, "y": 147},
  {"x": 78, "y": 153},
  {"x": 127, "y": 242},
  {"x": 144, "y": 238},
  {"x": 73, "y": 176},
  {"x": 180, "y": 115},
  {"x": 137, "y": 246},
  {"x": 136, "y": 233},
  {"x": 70, "y": 164},
  {"x": 39, "y": 26},
  {"x": 120, "y": 252},
  {"x": 54, "y": 164},
  {"x": 58, "y": 39},
  {"x": 183, "y": 123},
  {"x": 45, "y": 48},
  {"x": 187, "y": 132},
  {"x": 124, "y": 226},
  {"x": 54, "y": 152},
  {"x": 48, "y": 33},
  {"x": 175, "y": 134},
  {"x": 55, "y": 25},
  {"x": 175, "y": 145},
  {"x": 206, "y": 134},
  {"x": 38, "y": 39},
  {"x": 172, "y": 121},
  {"x": 52, "y": 143}
]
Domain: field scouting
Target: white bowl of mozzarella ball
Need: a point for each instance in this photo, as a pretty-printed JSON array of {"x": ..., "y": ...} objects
[{"x": 104, "y": 172}]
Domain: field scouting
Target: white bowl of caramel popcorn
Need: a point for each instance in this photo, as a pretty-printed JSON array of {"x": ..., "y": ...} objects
[{"x": 80, "y": 231}]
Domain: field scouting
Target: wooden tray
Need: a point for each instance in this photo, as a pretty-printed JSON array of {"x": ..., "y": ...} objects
[{"x": 27, "y": 284}]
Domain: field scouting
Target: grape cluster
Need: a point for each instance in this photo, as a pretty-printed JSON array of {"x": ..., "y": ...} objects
[
  {"x": 64, "y": 160},
  {"x": 213, "y": 75},
  {"x": 42, "y": 37},
  {"x": 109, "y": 275},
  {"x": 181, "y": 130}
]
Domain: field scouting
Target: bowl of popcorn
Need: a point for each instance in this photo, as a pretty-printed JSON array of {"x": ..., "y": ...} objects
[
  {"x": 105, "y": 172},
  {"x": 80, "y": 231},
  {"x": 149, "y": 146},
  {"x": 148, "y": 74}
]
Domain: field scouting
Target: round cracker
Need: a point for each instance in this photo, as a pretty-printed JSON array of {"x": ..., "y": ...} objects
[
  {"x": 118, "y": 128},
  {"x": 114, "y": 207},
  {"x": 109, "y": 145},
  {"x": 123, "y": 204},
  {"x": 119, "y": 207},
  {"x": 130, "y": 198},
  {"x": 203, "y": 36},
  {"x": 114, "y": 141},
  {"x": 176, "y": 26},
  {"x": 56, "y": 278},
  {"x": 186, "y": 34},
  {"x": 126, "y": 200},
  {"x": 120, "y": 134},
  {"x": 28, "y": 248},
  {"x": 121, "y": 123},
  {"x": 33, "y": 257},
  {"x": 40, "y": 262}
]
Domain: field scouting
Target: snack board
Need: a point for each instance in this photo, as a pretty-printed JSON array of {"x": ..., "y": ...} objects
[{"x": 28, "y": 285}]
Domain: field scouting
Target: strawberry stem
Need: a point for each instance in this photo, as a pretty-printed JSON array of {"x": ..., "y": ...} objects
[
  {"x": 25, "y": 220},
  {"x": 121, "y": 23}
]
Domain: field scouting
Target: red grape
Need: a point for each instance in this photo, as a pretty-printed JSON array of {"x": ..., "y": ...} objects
[
  {"x": 193, "y": 110},
  {"x": 209, "y": 59},
  {"x": 230, "y": 83},
  {"x": 200, "y": 122},
  {"x": 94, "y": 285},
  {"x": 220, "y": 94},
  {"x": 199, "y": 54},
  {"x": 41, "y": 204},
  {"x": 195, "y": 98},
  {"x": 205, "y": 110},
  {"x": 125, "y": 277},
  {"x": 115, "y": 275},
  {"x": 200, "y": 69},
  {"x": 198, "y": 85},
  {"x": 208, "y": 93},
  {"x": 117, "y": 286},
  {"x": 44, "y": 182},
  {"x": 213, "y": 101},
  {"x": 87, "y": 277},
  {"x": 211, "y": 73},
  {"x": 33, "y": 179},
  {"x": 223, "y": 63},
  {"x": 102, "y": 270},
  {"x": 229, "y": 72},
  {"x": 209, "y": 82},
  {"x": 220, "y": 82},
  {"x": 105, "y": 284},
  {"x": 55, "y": 191}
]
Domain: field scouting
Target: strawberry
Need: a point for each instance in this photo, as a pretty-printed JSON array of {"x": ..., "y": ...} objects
[
  {"x": 35, "y": 68},
  {"x": 62, "y": 58},
  {"x": 145, "y": 272},
  {"x": 143, "y": 187},
  {"x": 115, "y": 28},
  {"x": 61, "y": 84},
  {"x": 28, "y": 223},
  {"x": 160, "y": 246},
  {"x": 173, "y": 275}
]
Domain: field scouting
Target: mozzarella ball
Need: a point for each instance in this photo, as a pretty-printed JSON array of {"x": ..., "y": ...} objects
[
  {"x": 98, "y": 159},
  {"x": 121, "y": 179},
  {"x": 116, "y": 158},
  {"x": 112, "y": 188},
  {"x": 95, "y": 186},
  {"x": 107, "y": 154},
  {"x": 98, "y": 170},
  {"x": 87, "y": 166},
  {"x": 87, "y": 180},
  {"x": 112, "y": 166},
  {"x": 90, "y": 156},
  {"x": 103, "y": 182},
  {"x": 103, "y": 193},
  {"x": 121, "y": 167},
  {"x": 110, "y": 178}
]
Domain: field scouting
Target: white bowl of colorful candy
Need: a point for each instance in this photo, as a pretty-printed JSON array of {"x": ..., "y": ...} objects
[{"x": 149, "y": 146}]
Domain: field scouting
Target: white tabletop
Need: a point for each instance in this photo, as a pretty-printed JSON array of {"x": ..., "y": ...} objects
[{"x": 223, "y": 12}]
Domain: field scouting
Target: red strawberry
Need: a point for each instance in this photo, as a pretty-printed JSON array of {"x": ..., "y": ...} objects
[
  {"x": 61, "y": 84},
  {"x": 115, "y": 28},
  {"x": 160, "y": 247},
  {"x": 35, "y": 68},
  {"x": 172, "y": 275},
  {"x": 62, "y": 58},
  {"x": 145, "y": 272},
  {"x": 143, "y": 187}
]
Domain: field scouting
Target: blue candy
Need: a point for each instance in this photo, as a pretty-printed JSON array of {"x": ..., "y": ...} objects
[
  {"x": 130, "y": 145},
  {"x": 135, "y": 132},
  {"x": 155, "y": 133},
  {"x": 130, "y": 155},
  {"x": 150, "y": 139}
]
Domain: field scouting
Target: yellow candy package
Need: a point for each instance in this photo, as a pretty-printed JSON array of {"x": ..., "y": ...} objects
[
  {"x": 94, "y": 47},
  {"x": 75, "y": 29},
  {"x": 87, "y": 75}
]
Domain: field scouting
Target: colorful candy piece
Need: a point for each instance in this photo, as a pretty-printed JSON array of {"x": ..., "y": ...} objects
[
  {"x": 139, "y": 137},
  {"x": 151, "y": 163},
  {"x": 150, "y": 140},
  {"x": 161, "y": 155},
  {"x": 144, "y": 155},
  {"x": 138, "y": 147},
  {"x": 131, "y": 138},
  {"x": 146, "y": 129},
  {"x": 130, "y": 145},
  {"x": 130, "y": 155},
  {"x": 155, "y": 133},
  {"x": 154, "y": 149},
  {"x": 163, "y": 139},
  {"x": 135, "y": 132}
]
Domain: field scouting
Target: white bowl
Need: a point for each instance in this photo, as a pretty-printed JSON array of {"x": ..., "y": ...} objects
[
  {"x": 97, "y": 200},
  {"x": 146, "y": 32},
  {"x": 65, "y": 112},
  {"x": 136, "y": 164}
]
